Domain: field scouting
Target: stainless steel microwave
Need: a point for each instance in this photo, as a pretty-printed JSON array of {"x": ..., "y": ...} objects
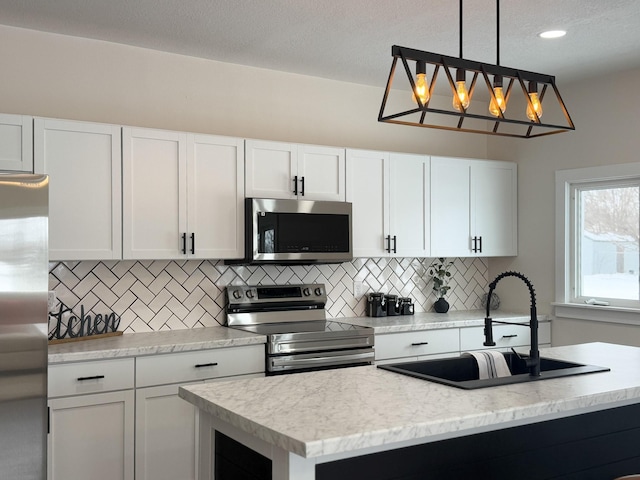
[{"x": 297, "y": 231}]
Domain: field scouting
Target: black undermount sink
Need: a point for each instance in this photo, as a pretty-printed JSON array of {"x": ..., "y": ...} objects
[{"x": 462, "y": 372}]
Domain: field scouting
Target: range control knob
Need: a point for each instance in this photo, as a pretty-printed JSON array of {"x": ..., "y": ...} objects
[
  {"x": 250, "y": 294},
  {"x": 237, "y": 294},
  {"x": 306, "y": 292},
  {"x": 318, "y": 291}
]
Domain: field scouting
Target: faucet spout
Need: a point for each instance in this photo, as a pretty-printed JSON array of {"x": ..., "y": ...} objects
[{"x": 533, "y": 362}]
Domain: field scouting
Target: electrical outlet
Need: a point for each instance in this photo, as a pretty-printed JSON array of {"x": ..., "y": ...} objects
[
  {"x": 51, "y": 301},
  {"x": 358, "y": 289}
]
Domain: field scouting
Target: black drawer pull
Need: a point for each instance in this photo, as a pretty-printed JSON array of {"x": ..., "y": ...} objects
[
  {"x": 417, "y": 344},
  {"x": 95, "y": 377},
  {"x": 509, "y": 336},
  {"x": 202, "y": 365}
]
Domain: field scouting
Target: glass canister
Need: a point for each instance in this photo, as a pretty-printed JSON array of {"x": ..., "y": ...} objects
[
  {"x": 376, "y": 305},
  {"x": 392, "y": 305},
  {"x": 405, "y": 306}
]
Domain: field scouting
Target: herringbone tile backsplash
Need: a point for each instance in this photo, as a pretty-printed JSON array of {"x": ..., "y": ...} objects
[{"x": 171, "y": 295}]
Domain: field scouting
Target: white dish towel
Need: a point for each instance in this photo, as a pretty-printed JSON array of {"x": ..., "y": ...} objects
[{"x": 491, "y": 364}]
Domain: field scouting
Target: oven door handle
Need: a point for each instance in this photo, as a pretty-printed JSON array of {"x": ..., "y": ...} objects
[
  {"x": 315, "y": 361},
  {"x": 296, "y": 346}
]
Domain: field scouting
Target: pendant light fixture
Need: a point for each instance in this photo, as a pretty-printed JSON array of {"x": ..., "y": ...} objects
[
  {"x": 421, "y": 89},
  {"x": 487, "y": 113}
]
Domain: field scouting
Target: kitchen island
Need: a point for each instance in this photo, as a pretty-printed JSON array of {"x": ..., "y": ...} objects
[{"x": 364, "y": 422}]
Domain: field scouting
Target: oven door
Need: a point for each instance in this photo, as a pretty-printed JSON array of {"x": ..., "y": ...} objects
[{"x": 319, "y": 360}]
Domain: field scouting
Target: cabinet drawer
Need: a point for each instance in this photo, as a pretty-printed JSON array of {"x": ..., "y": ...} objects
[
  {"x": 199, "y": 365},
  {"x": 90, "y": 377},
  {"x": 505, "y": 336},
  {"x": 412, "y": 344}
]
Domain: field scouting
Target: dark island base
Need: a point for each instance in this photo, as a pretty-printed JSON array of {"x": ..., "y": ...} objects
[{"x": 599, "y": 446}]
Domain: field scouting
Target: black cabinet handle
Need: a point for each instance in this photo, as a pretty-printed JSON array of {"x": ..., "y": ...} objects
[
  {"x": 295, "y": 185},
  {"x": 202, "y": 365},
  {"x": 480, "y": 242},
  {"x": 184, "y": 243},
  {"x": 509, "y": 336},
  {"x": 394, "y": 245},
  {"x": 388, "y": 240},
  {"x": 95, "y": 377},
  {"x": 302, "y": 188},
  {"x": 417, "y": 344},
  {"x": 193, "y": 243}
]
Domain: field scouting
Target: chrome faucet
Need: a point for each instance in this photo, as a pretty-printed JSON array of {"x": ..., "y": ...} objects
[{"x": 533, "y": 362}]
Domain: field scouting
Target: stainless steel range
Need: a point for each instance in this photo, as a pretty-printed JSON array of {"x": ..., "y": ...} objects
[{"x": 299, "y": 337}]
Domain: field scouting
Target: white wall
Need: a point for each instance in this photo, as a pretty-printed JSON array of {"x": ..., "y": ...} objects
[
  {"x": 67, "y": 77},
  {"x": 605, "y": 115}
]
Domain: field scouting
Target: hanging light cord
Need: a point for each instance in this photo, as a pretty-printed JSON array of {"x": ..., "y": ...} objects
[
  {"x": 497, "y": 32},
  {"x": 460, "y": 28}
]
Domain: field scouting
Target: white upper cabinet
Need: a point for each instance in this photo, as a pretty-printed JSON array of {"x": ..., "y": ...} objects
[
  {"x": 16, "y": 140},
  {"x": 390, "y": 195},
  {"x": 321, "y": 173},
  {"x": 494, "y": 208},
  {"x": 473, "y": 208},
  {"x": 367, "y": 190},
  {"x": 182, "y": 195},
  {"x": 450, "y": 230},
  {"x": 409, "y": 205},
  {"x": 83, "y": 161},
  {"x": 292, "y": 171},
  {"x": 215, "y": 196}
]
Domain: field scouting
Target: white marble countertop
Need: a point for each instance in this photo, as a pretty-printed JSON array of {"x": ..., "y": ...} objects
[
  {"x": 151, "y": 343},
  {"x": 339, "y": 411},
  {"x": 432, "y": 320}
]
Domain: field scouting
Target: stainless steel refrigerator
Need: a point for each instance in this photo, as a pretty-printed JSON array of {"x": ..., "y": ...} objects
[{"x": 23, "y": 326}]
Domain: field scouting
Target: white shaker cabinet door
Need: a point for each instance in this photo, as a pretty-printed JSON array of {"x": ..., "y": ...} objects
[
  {"x": 409, "y": 205},
  {"x": 16, "y": 140},
  {"x": 83, "y": 161},
  {"x": 494, "y": 208},
  {"x": 154, "y": 194},
  {"x": 166, "y": 435},
  {"x": 215, "y": 196},
  {"x": 321, "y": 172},
  {"x": 91, "y": 437},
  {"x": 271, "y": 170},
  {"x": 450, "y": 209},
  {"x": 368, "y": 191}
]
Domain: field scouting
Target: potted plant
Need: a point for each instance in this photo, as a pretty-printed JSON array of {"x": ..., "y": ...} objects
[{"x": 440, "y": 275}]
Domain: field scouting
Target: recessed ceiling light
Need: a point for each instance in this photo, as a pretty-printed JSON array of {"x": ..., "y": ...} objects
[{"x": 552, "y": 34}]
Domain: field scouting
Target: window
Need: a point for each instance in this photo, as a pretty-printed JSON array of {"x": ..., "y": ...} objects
[
  {"x": 597, "y": 242},
  {"x": 604, "y": 247}
]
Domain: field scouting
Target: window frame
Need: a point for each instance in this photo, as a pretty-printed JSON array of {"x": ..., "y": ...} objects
[{"x": 566, "y": 305}]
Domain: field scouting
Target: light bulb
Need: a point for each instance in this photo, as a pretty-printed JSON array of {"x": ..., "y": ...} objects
[
  {"x": 535, "y": 102},
  {"x": 422, "y": 89},
  {"x": 461, "y": 92},
  {"x": 499, "y": 104}
]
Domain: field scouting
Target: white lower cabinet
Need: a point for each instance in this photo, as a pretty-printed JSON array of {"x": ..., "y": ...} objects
[
  {"x": 101, "y": 412},
  {"x": 451, "y": 342},
  {"x": 505, "y": 336},
  {"x": 167, "y": 436},
  {"x": 409, "y": 346},
  {"x": 91, "y": 434}
]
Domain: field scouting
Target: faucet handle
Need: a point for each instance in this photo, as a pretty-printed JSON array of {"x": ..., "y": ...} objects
[{"x": 488, "y": 333}]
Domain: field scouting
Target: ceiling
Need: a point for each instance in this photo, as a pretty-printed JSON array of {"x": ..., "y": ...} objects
[{"x": 350, "y": 40}]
